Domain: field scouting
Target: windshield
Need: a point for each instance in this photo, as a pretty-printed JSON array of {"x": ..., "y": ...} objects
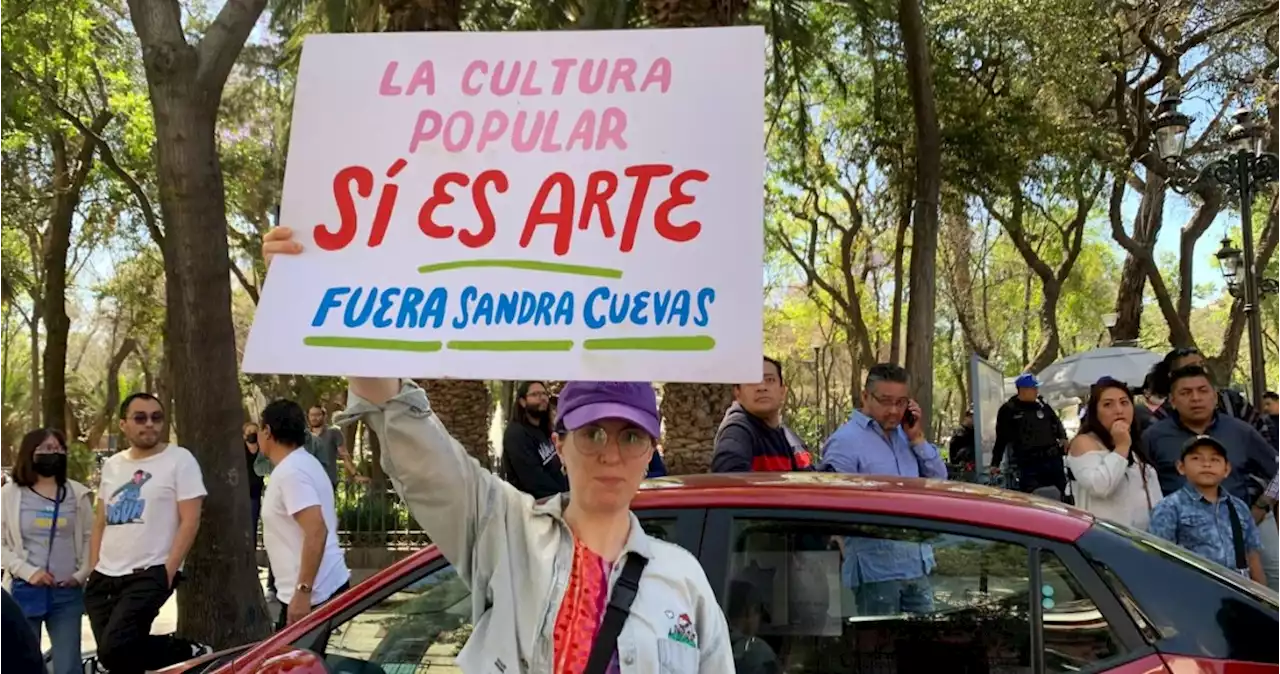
[{"x": 1221, "y": 573}]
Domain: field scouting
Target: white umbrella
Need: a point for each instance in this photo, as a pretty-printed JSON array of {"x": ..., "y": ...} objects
[{"x": 1073, "y": 375}]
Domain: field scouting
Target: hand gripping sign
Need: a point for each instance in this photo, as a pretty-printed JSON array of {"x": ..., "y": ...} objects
[{"x": 569, "y": 205}]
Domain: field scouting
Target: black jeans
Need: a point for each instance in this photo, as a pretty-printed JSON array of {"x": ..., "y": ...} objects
[
  {"x": 121, "y": 610},
  {"x": 283, "y": 618}
]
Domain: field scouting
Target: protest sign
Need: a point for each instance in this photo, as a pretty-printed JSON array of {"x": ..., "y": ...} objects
[{"x": 560, "y": 205}]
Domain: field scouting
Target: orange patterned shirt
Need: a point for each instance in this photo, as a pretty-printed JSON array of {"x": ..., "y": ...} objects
[{"x": 581, "y": 612}]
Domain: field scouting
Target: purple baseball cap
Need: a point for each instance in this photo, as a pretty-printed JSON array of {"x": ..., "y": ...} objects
[{"x": 586, "y": 402}]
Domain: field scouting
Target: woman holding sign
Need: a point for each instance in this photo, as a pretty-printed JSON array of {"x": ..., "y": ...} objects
[{"x": 563, "y": 585}]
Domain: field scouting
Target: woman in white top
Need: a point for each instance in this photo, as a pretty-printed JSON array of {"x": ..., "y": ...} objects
[{"x": 1108, "y": 476}]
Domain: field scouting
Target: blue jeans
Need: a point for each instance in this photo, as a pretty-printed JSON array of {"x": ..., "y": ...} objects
[
  {"x": 66, "y": 608},
  {"x": 891, "y": 597}
]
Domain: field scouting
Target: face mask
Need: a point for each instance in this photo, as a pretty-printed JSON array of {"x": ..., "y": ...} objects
[
  {"x": 50, "y": 465},
  {"x": 251, "y": 438}
]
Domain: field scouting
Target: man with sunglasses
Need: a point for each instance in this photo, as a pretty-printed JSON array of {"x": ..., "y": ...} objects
[{"x": 148, "y": 514}]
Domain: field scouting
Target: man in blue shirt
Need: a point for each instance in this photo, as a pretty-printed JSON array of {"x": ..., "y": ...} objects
[
  {"x": 886, "y": 437},
  {"x": 1206, "y": 519}
]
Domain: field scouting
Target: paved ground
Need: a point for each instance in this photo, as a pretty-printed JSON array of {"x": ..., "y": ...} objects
[{"x": 166, "y": 622}]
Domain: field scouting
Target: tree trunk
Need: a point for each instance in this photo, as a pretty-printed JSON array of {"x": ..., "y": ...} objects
[
  {"x": 34, "y": 325},
  {"x": 1024, "y": 353},
  {"x": 70, "y": 173},
  {"x": 406, "y": 16},
  {"x": 103, "y": 424},
  {"x": 1051, "y": 345},
  {"x": 1133, "y": 277},
  {"x": 899, "y": 259},
  {"x": 1191, "y": 233},
  {"x": 221, "y": 603},
  {"x": 465, "y": 407},
  {"x": 6, "y": 350},
  {"x": 691, "y": 413},
  {"x": 924, "y": 231}
]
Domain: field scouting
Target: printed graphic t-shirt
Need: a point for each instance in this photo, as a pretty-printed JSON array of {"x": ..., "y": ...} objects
[
  {"x": 37, "y": 523},
  {"x": 581, "y": 612},
  {"x": 140, "y": 499}
]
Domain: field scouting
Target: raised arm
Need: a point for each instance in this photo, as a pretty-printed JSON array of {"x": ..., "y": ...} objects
[{"x": 450, "y": 495}]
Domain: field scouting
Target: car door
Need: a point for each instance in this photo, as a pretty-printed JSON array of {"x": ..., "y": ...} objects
[
  {"x": 831, "y": 592},
  {"x": 419, "y": 620}
]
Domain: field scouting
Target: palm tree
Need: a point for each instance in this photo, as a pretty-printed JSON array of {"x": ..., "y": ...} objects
[{"x": 691, "y": 413}]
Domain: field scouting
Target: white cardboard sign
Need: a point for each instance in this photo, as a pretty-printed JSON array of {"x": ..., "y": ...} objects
[{"x": 559, "y": 205}]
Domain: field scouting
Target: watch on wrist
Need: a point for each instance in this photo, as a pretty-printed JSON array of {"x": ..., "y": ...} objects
[{"x": 304, "y": 588}]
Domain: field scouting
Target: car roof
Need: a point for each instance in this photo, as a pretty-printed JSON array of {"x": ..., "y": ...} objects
[{"x": 941, "y": 500}]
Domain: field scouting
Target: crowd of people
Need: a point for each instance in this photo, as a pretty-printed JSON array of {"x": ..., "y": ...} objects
[
  {"x": 117, "y": 561},
  {"x": 1190, "y": 463},
  {"x": 1180, "y": 457}
]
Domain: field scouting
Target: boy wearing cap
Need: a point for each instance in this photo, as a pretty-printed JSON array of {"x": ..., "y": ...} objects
[{"x": 1204, "y": 518}]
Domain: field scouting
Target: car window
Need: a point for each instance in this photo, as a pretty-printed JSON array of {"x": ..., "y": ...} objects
[
  {"x": 1209, "y": 568},
  {"x": 661, "y": 528},
  {"x": 416, "y": 628},
  {"x": 806, "y": 596},
  {"x": 1187, "y": 605},
  {"x": 1076, "y": 634}
]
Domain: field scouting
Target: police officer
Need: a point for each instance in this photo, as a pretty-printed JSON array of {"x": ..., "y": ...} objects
[{"x": 1035, "y": 437}]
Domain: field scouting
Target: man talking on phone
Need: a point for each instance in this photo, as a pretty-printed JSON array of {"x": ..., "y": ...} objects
[{"x": 886, "y": 437}]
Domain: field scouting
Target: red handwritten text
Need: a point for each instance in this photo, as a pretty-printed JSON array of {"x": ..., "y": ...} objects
[{"x": 557, "y": 204}]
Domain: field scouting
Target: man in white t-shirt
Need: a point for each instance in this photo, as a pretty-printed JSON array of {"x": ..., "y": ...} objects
[
  {"x": 148, "y": 513},
  {"x": 299, "y": 521}
]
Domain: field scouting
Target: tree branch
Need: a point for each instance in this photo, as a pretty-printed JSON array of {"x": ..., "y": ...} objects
[
  {"x": 1191, "y": 233},
  {"x": 105, "y": 153},
  {"x": 1179, "y": 333},
  {"x": 1196, "y": 39},
  {"x": 223, "y": 41},
  {"x": 248, "y": 286}
]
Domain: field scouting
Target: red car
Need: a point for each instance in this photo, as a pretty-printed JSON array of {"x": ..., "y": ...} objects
[{"x": 1002, "y": 582}]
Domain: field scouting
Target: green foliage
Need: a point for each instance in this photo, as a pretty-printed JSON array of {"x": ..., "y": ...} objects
[
  {"x": 82, "y": 464},
  {"x": 367, "y": 518}
]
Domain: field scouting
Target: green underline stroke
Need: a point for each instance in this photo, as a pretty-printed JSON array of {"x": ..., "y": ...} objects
[
  {"x": 373, "y": 343},
  {"x": 527, "y": 265},
  {"x": 693, "y": 343},
  {"x": 511, "y": 345}
]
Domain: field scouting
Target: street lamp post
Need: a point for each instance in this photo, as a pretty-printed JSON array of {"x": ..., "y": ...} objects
[{"x": 1244, "y": 171}]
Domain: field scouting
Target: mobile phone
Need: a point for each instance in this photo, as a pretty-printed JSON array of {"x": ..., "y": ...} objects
[{"x": 908, "y": 418}]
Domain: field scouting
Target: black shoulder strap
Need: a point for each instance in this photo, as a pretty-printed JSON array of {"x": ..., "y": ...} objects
[
  {"x": 615, "y": 614},
  {"x": 1237, "y": 535}
]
